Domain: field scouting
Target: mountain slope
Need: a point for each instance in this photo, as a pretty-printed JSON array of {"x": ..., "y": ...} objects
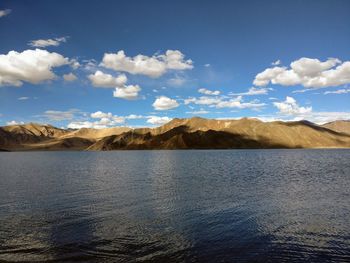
[
  {"x": 338, "y": 126},
  {"x": 14, "y": 136},
  {"x": 194, "y": 133},
  {"x": 198, "y": 133}
]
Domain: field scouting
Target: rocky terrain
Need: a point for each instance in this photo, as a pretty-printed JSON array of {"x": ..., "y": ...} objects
[{"x": 193, "y": 133}]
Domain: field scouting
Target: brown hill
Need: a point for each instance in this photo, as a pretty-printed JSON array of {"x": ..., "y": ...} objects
[
  {"x": 14, "y": 136},
  {"x": 338, "y": 126},
  {"x": 194, "y": 133},
  {"x": 34, "y": 136},
  {"x": 89, "y": 133},
  {"x": 198, "y": 133}
]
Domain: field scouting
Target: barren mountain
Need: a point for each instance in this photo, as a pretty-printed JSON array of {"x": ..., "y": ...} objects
[
  {"x": 194, "y": 133},
  {"x": 89, "y": 133},
  {"x": 338, "y": 126},
  {"x": 198, "y": 133}
]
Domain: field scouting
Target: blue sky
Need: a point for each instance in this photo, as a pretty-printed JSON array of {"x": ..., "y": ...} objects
[{"x": 141, "y": 63}]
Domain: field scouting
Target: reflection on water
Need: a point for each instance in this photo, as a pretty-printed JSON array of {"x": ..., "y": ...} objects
[{"x": 237, "y": 205}]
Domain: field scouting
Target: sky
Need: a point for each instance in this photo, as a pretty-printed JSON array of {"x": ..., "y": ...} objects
[{"x": 105, "y": 63}]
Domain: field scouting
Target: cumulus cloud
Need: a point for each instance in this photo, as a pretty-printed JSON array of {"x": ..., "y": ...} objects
[
  {"x": 69, "y": 77},
  {"x": 103, "y": 80},
  {"x": 253, "y": 91},
  {"x": 128, "y": 92},
  {"x": 154, "y": 66},
  {"x": 5, "y": 12},
  {"x": 308, "y": 72},
  {"x": 291, "y": 107},
  {"x": 209, "y": 92},
  {"x": 100, "y": 115},
  {"x": 33, "y": 66},
  {"x": 339, "y": 91},
  {"x": 47, "y": 42},
  {"x": 156, "y": 120},
  {"x": 165, "y": 103},
  {"x": 102, "y": 120}
]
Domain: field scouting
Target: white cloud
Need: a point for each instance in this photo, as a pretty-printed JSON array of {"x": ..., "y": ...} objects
[
  {"x": 32, "y": 66},
  {"x": 23, "y": 98},
  {"x": 128, "y": 92},
  {"x": 263, "y": 78},
  {"x": 222, "y": 102},
  {"x": 103, "y": 80},
  {"x": 55, "y": 115},
  {"x": 85, "y": 124},
  {"x": 291, "y": 107},
  {"x": 207, "y": 65},
  {"x": 201, "y": 111},
  {"x": 155, "y": 120},
  {"x": 253, "y": 91},
  {"x": 310, "y": 73},
  {"x": 204, "y": 100},
  {"x": 165, "y": 103},
  {"x": 177, "y": 81},
  {"x": 339, "y": 91},
  {"x": 324, "y": 117},
  {"x": 100, "y": 115},
  {"x": 276, "y": 63},
  {"x": 47, "y": 42},
  {"x": 239, "y": 104},
  {"x": 209, "y": 92},
  {"x": 5, "y": 12},
  {"x": 105, "y": 120},
  {"x": 154, "y": 66},
  {"x": 74, "y": 63},
  {"x": 14, "y": 122},
  {"x": 134, "y": 117},
  {"x": 90, "y": 65},
  {"x": 123, "y": 91},
  {"x": 69, "y": 77},
  {"x": 315, "y": 117}
]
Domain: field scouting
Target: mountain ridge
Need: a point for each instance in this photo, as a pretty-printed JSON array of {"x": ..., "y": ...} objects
[{"x": 186, "y": 133}]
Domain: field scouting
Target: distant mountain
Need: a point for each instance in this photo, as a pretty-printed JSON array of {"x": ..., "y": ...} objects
[
  {"x": 338, "y": 126},
  {"x": 34, "y": 136},
  {"x": 199, "y": 133},
  {"x": 193, "y": 133}
]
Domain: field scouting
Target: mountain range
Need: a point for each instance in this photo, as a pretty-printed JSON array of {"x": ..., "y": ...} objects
[{"x": 193, "y": 133}]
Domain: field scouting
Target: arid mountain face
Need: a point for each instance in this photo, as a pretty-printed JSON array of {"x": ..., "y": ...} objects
[
  {"x": 338, "y": 126},
  {"x": 46, "y": 137},
  {"x": 194, "y": 133}
]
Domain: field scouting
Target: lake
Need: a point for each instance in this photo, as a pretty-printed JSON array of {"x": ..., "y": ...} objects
[{"x": 176, "y": 206}]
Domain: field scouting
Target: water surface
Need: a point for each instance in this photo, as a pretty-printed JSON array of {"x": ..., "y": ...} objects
[{"x": 176, "y": 206}]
